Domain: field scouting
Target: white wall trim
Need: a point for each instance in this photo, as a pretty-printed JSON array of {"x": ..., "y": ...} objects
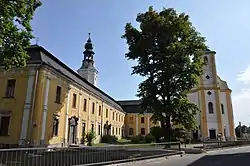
[
  {"x": 27, "y": 108},
  {"x": 45, "y": 108}
]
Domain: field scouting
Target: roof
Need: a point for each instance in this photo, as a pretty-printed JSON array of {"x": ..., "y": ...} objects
[
  {"x": 39, "y": 54},
  {"x": 132, "y": 106}
]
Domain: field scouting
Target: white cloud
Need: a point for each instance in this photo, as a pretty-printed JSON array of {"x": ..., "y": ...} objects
[
  {"x": 244, "y": 76},
  {"x": 241, "y": 100}
]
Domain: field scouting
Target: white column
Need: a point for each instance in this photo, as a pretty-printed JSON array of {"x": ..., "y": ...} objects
[
  {"x": 136, "y": 124},
  {"x": 148, "y": 124},
  {"x": 67, "y": 116},
  {"x": 79, "y": 116},
  {"x": 27, "y": 107},
  {"x": 45, "y": 108}
]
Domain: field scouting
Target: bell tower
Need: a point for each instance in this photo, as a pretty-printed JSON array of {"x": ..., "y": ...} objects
[{"x": 88, "y": 70}]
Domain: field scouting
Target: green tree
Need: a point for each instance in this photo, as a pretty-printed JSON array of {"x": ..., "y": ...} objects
[
  {"x": 168, "y": 51},
  {"x": 15, "y": 31}
]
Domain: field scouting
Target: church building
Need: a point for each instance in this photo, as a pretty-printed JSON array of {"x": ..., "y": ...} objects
[{"x": 46, "y": 103}]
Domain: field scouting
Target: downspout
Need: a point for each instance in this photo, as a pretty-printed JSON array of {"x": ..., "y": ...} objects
[
  {"x": 102, "y": 120},
  {"x": 33, "y": 102}
]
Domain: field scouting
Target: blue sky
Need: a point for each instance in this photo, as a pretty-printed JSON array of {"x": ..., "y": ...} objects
[{"x": 63, "y": 26}]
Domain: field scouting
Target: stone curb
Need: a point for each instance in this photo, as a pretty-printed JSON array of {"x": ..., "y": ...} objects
[
  {"x": 121, "y": 162},
  {"x": 225, "y": 148}
]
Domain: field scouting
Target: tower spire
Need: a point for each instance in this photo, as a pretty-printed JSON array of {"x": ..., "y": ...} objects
[{"x": 87, "y": 69}]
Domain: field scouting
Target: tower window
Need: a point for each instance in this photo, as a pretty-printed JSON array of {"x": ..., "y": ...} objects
[
  {"x": 210, "y": 108},
  {"x": 209, "y": 93},
  {"x": 205, "y": 60},
  {"x": 207, "y": 77},
  {"x": 10, "y": 89},
  {"x": 222, "y": 108}
]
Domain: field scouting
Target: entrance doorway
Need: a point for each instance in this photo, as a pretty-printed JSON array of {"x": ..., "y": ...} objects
[
  {"x": 212, "y": 134},
  {"x": 72, "y": 130}
]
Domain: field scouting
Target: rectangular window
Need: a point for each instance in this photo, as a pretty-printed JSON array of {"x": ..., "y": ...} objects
[
  {"x": 107, "y": 113},
  {"x": 116, "y": 131},
  {"x": 113, "y": 116},
  {"x": 4, "y": 128},
  {"x": 142, "y": 131},
  {"x": 93, "y": 108},
  {"x": 119, "y": 118},
  {"x": 58, "y": 94},
  {"x": 142, "y": 119},
  {"x": 222, "y": 108},
  {"x": 99, "y": 129},
  {"x": 116, "y": 117},
  {"x": 131, "y": 131},
  {"x": 55, "y": 127},
  {"x": 74, "y": 101},
  {"x": 10, "y": 89},
  {"x": 85, "y": 105},
  {"x": 100, "y": 110},
  {"x": 119, "y": 131},
  {"x": 113, "y": 130},
  {"x": 92, "y": 127},
  {"x": 83, "y": 128}
]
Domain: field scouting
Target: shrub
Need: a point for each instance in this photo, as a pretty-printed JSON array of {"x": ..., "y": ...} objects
[
  {"x": 135, "y": 139},
  {"x": 142, "y": 138},
  {"x": 157, "y": 132},
  {"x": 109, "y": 139},
  {"x": 149, "y": 138},
  {"x": 90, "y": 136}
]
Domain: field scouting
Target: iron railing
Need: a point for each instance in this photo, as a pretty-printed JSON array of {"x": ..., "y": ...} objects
[
  {"x": 85, "y": 155},
  {"x": 209, "y": 145}
]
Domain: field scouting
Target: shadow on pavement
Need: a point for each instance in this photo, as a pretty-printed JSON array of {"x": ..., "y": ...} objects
[{"x": 237, "y": 159}]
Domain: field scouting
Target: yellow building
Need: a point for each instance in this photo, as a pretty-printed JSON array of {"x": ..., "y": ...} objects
[
  {"x": 137, "y": 121},
  {"x": 47, "y": 103}
]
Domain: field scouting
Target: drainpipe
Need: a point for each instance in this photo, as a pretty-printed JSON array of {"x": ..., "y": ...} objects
[
  {"x": 102, "y": 120},
  {"x": 33, "y": 102}
]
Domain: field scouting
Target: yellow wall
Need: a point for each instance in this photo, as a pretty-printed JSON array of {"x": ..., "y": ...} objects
[
  {"x": 134, "y": 119},
  {"x": 14, "y": 105}
]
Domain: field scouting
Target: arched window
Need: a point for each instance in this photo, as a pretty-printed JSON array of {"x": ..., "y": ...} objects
[
  {"x": 210, "y": 108},
  {"x": 222, "y": 108},
  {"x": 205, "y": 59}
]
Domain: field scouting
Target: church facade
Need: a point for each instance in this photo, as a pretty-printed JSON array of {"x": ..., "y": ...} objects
[
  {"x": 47, "y": 103},
  {"x": 212, "y": 96}
]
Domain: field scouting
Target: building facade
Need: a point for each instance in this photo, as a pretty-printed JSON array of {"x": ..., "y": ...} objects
[
  {"x": 136, "y": 122},
  {"x": 47, "y": 103},
  {"x": 212, "y": 96}
]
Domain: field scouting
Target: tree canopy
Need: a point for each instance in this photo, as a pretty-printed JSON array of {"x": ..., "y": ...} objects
[
  {"x": 168, "y": 51},
  {"x": 15, "y": 31}
]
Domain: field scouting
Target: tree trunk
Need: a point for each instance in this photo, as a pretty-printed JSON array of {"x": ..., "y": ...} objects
[{"x": 167, "y": 129}]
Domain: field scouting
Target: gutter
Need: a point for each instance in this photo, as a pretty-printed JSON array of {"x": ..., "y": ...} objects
[{"x": 33, "y": 102}]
